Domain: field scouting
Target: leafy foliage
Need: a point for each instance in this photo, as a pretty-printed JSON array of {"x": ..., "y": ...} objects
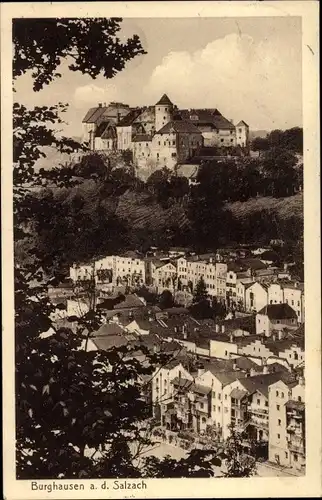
[{"x": 92, "y": 44}]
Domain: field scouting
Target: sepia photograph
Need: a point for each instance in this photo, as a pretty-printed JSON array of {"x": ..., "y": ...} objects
[{"x": 158, "y": 268}]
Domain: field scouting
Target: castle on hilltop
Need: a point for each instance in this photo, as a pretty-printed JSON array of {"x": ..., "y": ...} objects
[{"x": 160, "y": 135}]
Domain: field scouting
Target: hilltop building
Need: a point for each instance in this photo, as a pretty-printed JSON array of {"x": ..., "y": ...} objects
[{"x": 160, "y": 135}]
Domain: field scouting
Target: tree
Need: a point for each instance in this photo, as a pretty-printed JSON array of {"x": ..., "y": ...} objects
[
  {"x": 71, "y": 404},
  {"x": 238, "y": 463},
  {"x": 200, "y": 293},
  {"x": 166, "y": 299},
  {"x": 91, "y": 44}
]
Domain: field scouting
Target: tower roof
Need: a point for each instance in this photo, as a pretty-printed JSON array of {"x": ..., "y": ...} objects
[{"x": 164, "y": 100}]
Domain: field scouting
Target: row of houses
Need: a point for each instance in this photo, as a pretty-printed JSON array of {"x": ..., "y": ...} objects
[
  {"x": 247, "y": 285},
  {"x": 268, "y": 407},
  {"x": 221, "y": 374}
]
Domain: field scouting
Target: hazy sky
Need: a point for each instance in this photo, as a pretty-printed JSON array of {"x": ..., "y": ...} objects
[{"x": 249, "y": 68}]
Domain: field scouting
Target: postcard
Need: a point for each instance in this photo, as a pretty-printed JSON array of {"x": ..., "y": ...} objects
[{"x": 161, "y": 250}]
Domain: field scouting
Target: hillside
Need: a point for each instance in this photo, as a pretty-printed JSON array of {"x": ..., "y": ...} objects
[
  {"x": 141, "y": 212},
  {"x": 284, "y": 208}
]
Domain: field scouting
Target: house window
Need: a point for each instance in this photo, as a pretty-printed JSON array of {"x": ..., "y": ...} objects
[
  {"x": 277, "y": 407},
  {"x": 222, "y": 140},
  {"x": 278, "y": 436},
  {"x": 219, "y": 397},
  {"x": 282, "y": 394},
  {"x": 286, "y": 454},
  {"x": 159, "y": 143},
  {"x": 299, "y": 399},
  {"x": 173, "y": 143},
  {"x": 271, "y": 302},
  {"x": 214, "y": 407},
  {"x": 278, "y": 321},
  {"x": 292, "y": 302},
  {"x": 277, "y": 394},
  {"x": 258, "y": 401},
  {"x": 231, "y": 140},
  {"x": 218, "y": 408},
  {"x": 266, "y": 403},
  {"x": 240, "y": 130},
  {"x": 298, "y": 303},
  {"x": 296, "y": 356},
  {"x": 279, "y": 422},
  {"x": 157, "y": 155},
  {"x": 295, "y": 457},
  {"x": 165, "y": 143},
  {"x": 226, "y": 353},
  {"x": 174, "y": 155},
  {"x": 201, "y": 405},
  {"x": 225, "y": 397},
  {"x": 213, "y": 394},
  {"x": 226, "y": 409}
]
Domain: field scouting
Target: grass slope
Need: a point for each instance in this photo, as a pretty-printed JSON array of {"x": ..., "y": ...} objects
[
  {"x": 142, "y": 212},
  {"x": 284, "y": 208}
]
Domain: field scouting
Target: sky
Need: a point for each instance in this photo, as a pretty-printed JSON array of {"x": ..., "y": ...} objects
[{"x": 248, "y": 68}]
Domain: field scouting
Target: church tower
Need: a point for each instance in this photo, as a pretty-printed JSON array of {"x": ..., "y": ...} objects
[{"x": 163, "y": 112}]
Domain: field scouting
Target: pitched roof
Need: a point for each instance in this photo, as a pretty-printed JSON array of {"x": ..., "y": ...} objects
[
  {"x": 179, "y": 127},
  {"x": 221, "y": 123},
  {"x": 164, "y": 100},
  {"x": 142, "y": 138},
  {"x": 188, "y": 171},
  {"x": 278, "y": 311},
  {"x": 238, "y": 393},
  {"x": 131, "y": 300},
  {"x": 107, "y": 342},
  {"x": 242, "y": 123},
  {"x": 108, "y": 329},
  {"x": 93, "y": 114},
  {"x": 101, "y": 128},
  {"x": 296, "y": 405},
  {"x": 262, "y": 382},
  {"x": 129, "y": 118}
]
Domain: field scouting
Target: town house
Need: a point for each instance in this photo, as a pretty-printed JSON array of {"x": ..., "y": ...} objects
[{"x": 275, "y": 317}]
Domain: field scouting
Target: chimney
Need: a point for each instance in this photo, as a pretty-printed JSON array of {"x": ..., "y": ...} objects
[
  {"x": 184, "y": 331},
  {"x": 234, "y": 365},
  {"x": 274, "y": 337},
  {"x": 265, "y": 370},
  {"x": 200, "y": 372},
  {"x": 231, "y": 337},
  {"x": 222, "y": 328},
  {"x": 252, "y": 372},
  {"x": 285, "y": 267},
  {"x": 296, "y": 284},
  {"x": 280, "y": 334},
  {"x": 301, "y": 380},
  {"x": 210, "y": 260},
  {"x": 216, "y": 328}
]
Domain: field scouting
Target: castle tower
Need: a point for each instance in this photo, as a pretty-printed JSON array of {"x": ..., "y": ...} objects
[{"x": 163, "y": 112}]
